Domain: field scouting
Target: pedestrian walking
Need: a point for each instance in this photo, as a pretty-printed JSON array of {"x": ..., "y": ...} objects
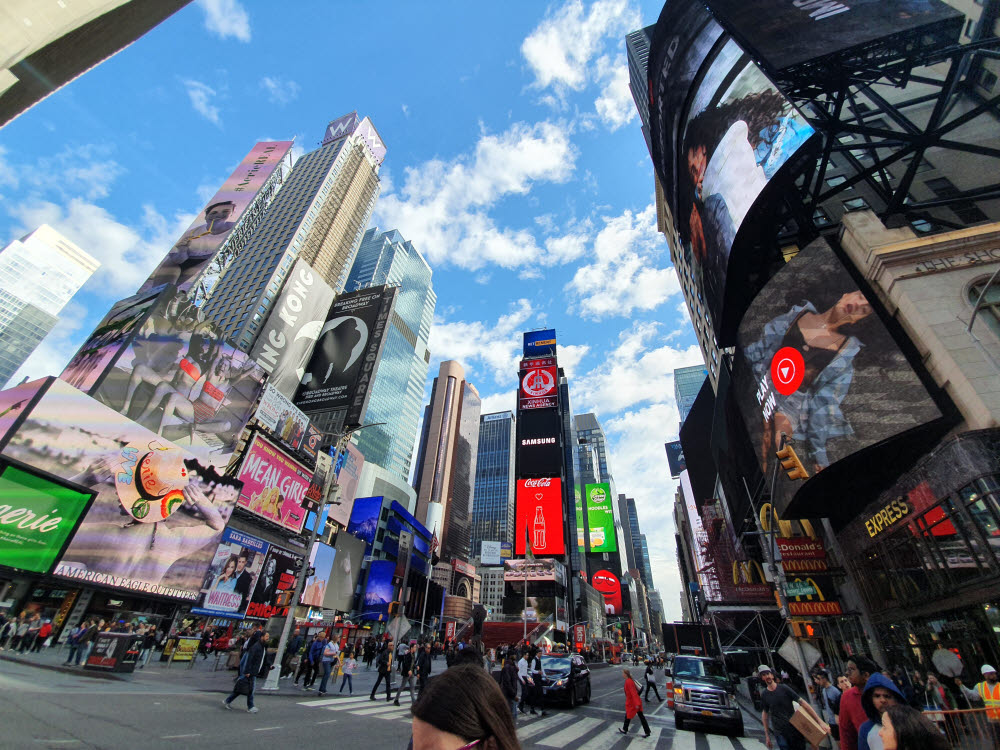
[
  {"x": 74, "y": 642},
  {"x": 651, "y": 681},
  {"x": 86, "y": 641},
  {"x": 633, "y": 704},
  {"x": 347, "y": 668},
  {"x": 524, "y": 677},
  {"x": 905, "y": 728},
  {"x": 464, "y": 705},
  {"x": 509, "y": 682},
  {"x": 148, "y": 644},
  {"x": 305, "y": 669},
  {"x": 537, "y": 693},
  {"x": 293, "y": 648},
  {"x": 316, "y": 660},
  {"x": 330, "y": 652},
  {"x": 384, "y": 666},
  {"x": 776, "y": 717},
  {"x": 250, "y": 666},
  {"x": 406, "y": 665},
  {"x": 31, "y": 633},
  {"x": 829, "y": 700},
  {"x": 852, "y": 713},
  {"x": 880, "y": 693},
  {"x": 425, "y": 662}
]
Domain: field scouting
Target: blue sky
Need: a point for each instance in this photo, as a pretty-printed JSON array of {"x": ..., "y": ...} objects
[{"x": 515, "y": 164}]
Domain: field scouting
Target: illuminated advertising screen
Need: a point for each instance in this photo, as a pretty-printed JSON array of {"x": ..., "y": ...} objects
[
  {"x": 37, "y": 518},
  {"x": 99, "y": 351},
  {"x": 601, "y": 535},
  {"x": 180, "y": 379},
  {"x": 608, "y": 585},
  {"x": 535, "y": 570},
  {"x": 348, "y": 559},
  {"x": 539, "y": 449},
  {"x": 539, "y": 516},
  {"x": 540, "y": 343},
  {"x": 274, "y": 485},
  {"x": 283, "y": 418},
  {"x": 211, "y": 228},
  {"x": 158, "y": 514},
  {"x": 232, "y": 575},
  {"x": 364, "y": 519},
  {"x": 16, "y": 402},
  {"x": 720, "y": 133},
  {"x": 675, "y": 458},
  {"x": 347, "y": 352},
  {"x": 275, "y": 584},
  {"x": 348, "y": 475},
  {"x": 538, "y": 384},
  {"x": 379, "y": 590},
  {"x": 321, "y": 560},
  {"x": 287, "y": 337},
  {"x": 815, "y": 365}
]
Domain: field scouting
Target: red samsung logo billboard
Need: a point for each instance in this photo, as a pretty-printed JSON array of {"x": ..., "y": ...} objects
[{"x": 540, "y": 516}]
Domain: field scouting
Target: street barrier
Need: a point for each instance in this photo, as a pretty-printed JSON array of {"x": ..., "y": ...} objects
[{"x": 969, "y": 729}]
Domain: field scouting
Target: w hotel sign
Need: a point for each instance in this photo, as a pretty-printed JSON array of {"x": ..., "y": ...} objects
[{"x": 808, "y": 596}]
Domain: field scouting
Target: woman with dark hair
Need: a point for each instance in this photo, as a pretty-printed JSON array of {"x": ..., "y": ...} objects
[
  {"x": 463, "y": 708},
  {"x": 905, "y": 728}
]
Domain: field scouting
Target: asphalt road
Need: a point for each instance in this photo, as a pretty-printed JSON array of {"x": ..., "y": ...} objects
[{"x": 42, "y": 709}]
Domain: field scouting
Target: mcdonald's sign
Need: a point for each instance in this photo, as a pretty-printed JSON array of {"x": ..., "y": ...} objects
[
  {"x": 801, "y": 548},
  {"x": 785, "y": 528},
  {"x": 807, "y": 597},
  {"x": 743, "y": 579},
  {"x": 804, "y": 566}
]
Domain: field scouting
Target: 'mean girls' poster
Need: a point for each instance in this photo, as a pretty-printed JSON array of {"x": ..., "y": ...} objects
[{"x": 274, "y": 485}]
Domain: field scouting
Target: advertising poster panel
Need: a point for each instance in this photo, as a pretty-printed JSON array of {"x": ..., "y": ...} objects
[
  {"x": 610, "y": 587},
  {"x": 489, "y": 553},
  {"x": 37, "y": 518},
  {"x": 540, "y": 343},
  {"x": 364, "y": 519},
  {"x": 600, "y": 518},
  {"x": 539, "y": 515},
  {"x": 232, "y": 575},
  {"x": 378, "y": 590},
  {"x": 539, "y": 449},
  {"x": 348, "y": 476},
  {"x": 274, "y": 484},
  {"x": 506, "y": 550},
  {"x": 539, "y": 381},
  {"x": 282, "y": 417},
  {"x": 180, "y": 379},
  {"x": 16, "y": 402},
  {"x": 212, "y": 227},
  {"x": 158, "y": 513},
  {"x": 275, "y": 585},
  {"x": 99, "y": 351},
  {"x": 349, "y": 555},
  {"x": 814, "y": 364},
  {"x": 348, "y": 347},
  {"x": 547, "y": 569},
  {"x": 675, "y": 458},
  {"x": 289, "y": 334},
  {"x": 321, "y": 559}
]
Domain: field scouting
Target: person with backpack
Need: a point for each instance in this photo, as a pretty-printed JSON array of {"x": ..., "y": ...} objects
[
  {"x": 633, "y": 704},
  {"x": 384, "y": 665},
  {"x": 331, "y": 650},
  {"x": 651, "y": 681},
  {"x": 829, "y": 700}
]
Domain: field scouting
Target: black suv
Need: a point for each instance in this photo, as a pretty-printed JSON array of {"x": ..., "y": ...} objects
[
  {"x": 565, "y": 678},
  {"x": 704, "y": 693}
]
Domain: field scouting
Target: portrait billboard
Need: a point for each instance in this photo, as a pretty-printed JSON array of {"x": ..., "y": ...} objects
[
  {"x": 489, "y": 553},
  {"x": 539, "y": 448},
  {"x": 321, "y": 560},
  {"x": 348, "y": 475},
  {"x": 232, "y": 575},
  {"x": 349, "y": 556},
  {"x": 379, "y": 590},
  {"x": 281, "y": 417},
  {"x": 179, "y": 378},
  {"x": 274, "y": 484},
  {"x": 16, "y": 402},
  {"x": 540, "y": 343},
  {"x": 601, "y": 536},
  {"x": 815, "y": 365},
  {"x": 347, "y": 353},
  {"x": 610, "y": 587},
  {"x": 538, "y": 386},
  {"x": 364, "y": 519},
  {"x": 37, "y": 518},
  {"x": 675, "y": 458},
  {"x": 275, "y": 585},
  {"x": 100, "y": 350},
  {"x": 158, "y": 512},
  {"x": 222, "y": 214},
  {"x": 289, "y": 334},
  {"x": 539, "y": 516}
]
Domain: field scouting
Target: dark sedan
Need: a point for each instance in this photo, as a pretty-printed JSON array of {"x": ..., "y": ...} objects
[{"x": 565, "y": 679}]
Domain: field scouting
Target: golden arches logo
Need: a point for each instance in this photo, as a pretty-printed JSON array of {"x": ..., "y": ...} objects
[
  {"x": 785, "y": 528},
  {"x": 809, "y": 582},
  {"x": 743, "y": 572}
]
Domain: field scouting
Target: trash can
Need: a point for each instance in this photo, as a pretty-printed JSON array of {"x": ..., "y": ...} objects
[{"x": 114, "y": 652}]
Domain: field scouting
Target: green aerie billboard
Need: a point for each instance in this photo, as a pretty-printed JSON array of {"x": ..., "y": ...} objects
[{"x": 601, "y": 535}]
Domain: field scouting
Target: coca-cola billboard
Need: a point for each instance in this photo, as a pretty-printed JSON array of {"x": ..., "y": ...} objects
[{"x": 539, "y": 517}]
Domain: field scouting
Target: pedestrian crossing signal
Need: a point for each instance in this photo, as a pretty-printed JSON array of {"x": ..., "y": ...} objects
[
  {"x": 393, "y": 608},
  {"x": 803, "y": 629},
  {"x": 791, "y": 464}
]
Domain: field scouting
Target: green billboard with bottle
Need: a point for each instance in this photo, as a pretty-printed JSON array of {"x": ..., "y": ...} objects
[{"x": 600, "y": 518}]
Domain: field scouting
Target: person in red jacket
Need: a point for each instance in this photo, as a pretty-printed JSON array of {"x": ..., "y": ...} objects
[
  {"x": 633, "y": 704},
  {"x": 852, "y": 713}
]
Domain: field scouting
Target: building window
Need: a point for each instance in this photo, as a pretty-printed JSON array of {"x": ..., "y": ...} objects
[
  {"x": 821, "y": 218},
  {"x": 989, "y": 307},
  {"x": 836, "y": 180},
  {"x": 855, "y": 204}
]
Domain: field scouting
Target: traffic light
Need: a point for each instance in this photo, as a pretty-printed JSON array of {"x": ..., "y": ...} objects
[
  {"x": 393, "y": 608},
  {"x": 791, "y": 464},
  {"x": 803, "y": 629}
]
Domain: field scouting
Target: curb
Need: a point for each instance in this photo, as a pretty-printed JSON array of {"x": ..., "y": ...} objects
[{"x": 67, "y": 670}]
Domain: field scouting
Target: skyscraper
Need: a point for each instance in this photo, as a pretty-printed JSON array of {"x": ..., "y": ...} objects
[
  {"x": 319, "y": 215},
  {"x": 637, "y": 53},
  {"x": 630, "y": 528},
  {"x": 592, "y": 448},
  {"x": 398, "y": 388},
  {"x": 645, "y": 569},
  {"x": 446, "y": 461},
  {"x": 39, "y": 274},
  {"x": 687, "y": 383},
  {"x": 493, "y": 504}
]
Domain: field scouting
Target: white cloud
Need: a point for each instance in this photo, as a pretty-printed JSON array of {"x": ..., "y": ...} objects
[
  {"x": 88, "y": 170},
  {"x": 202, "y": 96},
  {"x": 53, "y": 354},
  {"x": 614, "y": 106},
  {"x": 279, "y": 90},
  {"x": 406, "y": 110},
  {"x": 227, "y": 18},
  {"x": 443, "y": 206},
  {"x": 623, "y": 275},
  {"x": 502, "y": 401}
]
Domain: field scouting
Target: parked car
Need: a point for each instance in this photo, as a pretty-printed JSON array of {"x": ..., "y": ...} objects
[
  {"x": 703, "y": 693},
  {"x": 565, "y": 679}
]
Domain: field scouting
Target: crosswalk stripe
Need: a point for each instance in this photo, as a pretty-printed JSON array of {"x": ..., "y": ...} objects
[
  {"x": 718, "y": 742},
  {"x": 378, "y": 710},
  {"x": 604, "y": 740},
  {"x": 540, "y": 726},
  {"x": 654, "y": 736},
  {"x": 749, "y": 743},
  {"x": 320, "y": 703},
  {"x": 573, "y": 732},
  {"x": 683, "y": 740}
]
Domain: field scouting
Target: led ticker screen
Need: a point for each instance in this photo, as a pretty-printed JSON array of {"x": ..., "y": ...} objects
[
  {"x": 539, "y": 517},
  {"x": 601, "y": 535}
]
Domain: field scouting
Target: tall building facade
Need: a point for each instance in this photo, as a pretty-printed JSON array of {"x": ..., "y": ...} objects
[
  {"x": 645, "y": 570},
  {"x": 493, "y": 506},
  {"x": 687, "y": 383},
  {"x": 398, "y": 388},
  {"x": 592, "y": 449},
  {"x": 39, "y": 274},
  {"x": 318, "y": 215},
  {"x": 446, "y": 461},
  {"x": 637, "y": 53}
]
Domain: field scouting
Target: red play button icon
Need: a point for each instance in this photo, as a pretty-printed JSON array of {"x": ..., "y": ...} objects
[{"x": 787, "y": 370}]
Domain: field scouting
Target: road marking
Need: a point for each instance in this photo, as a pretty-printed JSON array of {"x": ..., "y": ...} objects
[
  {"x": 59, "y": 742},
  {"x": 749, "y": 743},
  {"x": 540, "y": 726},
  {"x": 322, "y": 702},
  {"x": 604, "y": 740},
  {"x": 684, "y": 740},
  {"x": 266, "y": 729},
  {"x": 572, "y": 733},
  {"x": 328, "y": 721},
  {"x": 718, "y": 742},
  {"x": 178, "y": 736},
  {"x": 379, "y": 711}
]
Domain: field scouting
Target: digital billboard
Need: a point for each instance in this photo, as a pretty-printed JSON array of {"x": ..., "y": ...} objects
[
  {"x": 538, "y": 384},
  {"x": 601, "y": 536},
  {"x": 289, "y": 334},
  {"x": 348, "y": 558},
  {"x": 815, "y": 365},
  {"x": 37, "y": 518},
  {"x": 364, "y": 519},
  {"x": 540, "y": 343},
  {"x": 275, "y": 584},
  {"x": 535, "y": 570},
  {"x": 720, "y": 132},
  {"x": 489, "y": 553},
  {"x": 321, "y": 560},
  {"x": 283, "y": 418},
  {"x": 16, "y": 402},
  {"x": 610, "y": 587},
  {"x": 675, "y": 458},
  {"x": 539, "y": 516},
  {"x": 274, "y": 484},
  {"x": 539, "y": 449},
  {"x": 232, "y": 575},
  {"x": 179, "y": 378},
  {"x": 379, "y": 590},
  {"x": 211, "y": 228},
  {"x": 158, "y": 513},
  {"x": 347, "y": 353},
  {"x": 348, "y": 470}
]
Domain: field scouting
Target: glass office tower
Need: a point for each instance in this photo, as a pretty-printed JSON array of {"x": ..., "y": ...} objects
[{"x": 493, "y": 506}]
